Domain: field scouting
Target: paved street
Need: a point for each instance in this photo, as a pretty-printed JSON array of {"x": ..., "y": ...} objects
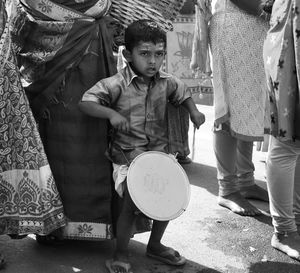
[{"x": 211, "y": 237}]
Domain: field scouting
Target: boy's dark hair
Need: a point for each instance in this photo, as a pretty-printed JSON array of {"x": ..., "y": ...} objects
[{"x": 143, "y": 31}]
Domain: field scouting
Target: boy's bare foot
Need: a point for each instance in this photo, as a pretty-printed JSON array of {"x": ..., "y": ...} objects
[
  {"x": 255, "y": 192},
  {"x": 238, "y": 204},
  {"x": 288, "y": 243},
  {"x": 119, "y": 264}
]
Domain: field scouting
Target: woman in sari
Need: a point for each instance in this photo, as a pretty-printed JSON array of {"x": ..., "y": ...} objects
[
  {"x": 64, "y": 48},
  {"x": 30, "y": 202}
]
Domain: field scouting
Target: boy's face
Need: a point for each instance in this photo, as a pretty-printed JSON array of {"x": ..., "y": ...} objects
[{"x": 146, "y": 58}]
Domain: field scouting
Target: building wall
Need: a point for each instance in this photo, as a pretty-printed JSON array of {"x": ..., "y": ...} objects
[{"x": 179, "y": 52}]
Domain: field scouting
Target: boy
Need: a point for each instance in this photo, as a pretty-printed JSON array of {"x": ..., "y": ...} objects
[{"x": 134, "y": 101}]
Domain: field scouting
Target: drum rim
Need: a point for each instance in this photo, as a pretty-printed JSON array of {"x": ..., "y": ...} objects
[{"x": 188, "y": 195}]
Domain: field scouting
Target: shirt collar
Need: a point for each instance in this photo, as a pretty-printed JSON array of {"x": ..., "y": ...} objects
[{"x": 129, "y": 74}]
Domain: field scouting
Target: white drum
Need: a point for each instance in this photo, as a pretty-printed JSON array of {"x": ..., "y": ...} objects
[{"x": 158, "y": 185}]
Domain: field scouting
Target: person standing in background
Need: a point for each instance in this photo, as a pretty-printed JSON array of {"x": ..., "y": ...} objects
[
  {"x": 282, "y": 64},
  {"x": 236, "y": 35},
  {"x": 64, "y": 47},
  {"x": 30, "y": 202}
]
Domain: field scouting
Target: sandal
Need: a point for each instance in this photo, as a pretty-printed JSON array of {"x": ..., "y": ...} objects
[
  {"x": 49, "y": 239},
  {"x": 168, "y": 256}
]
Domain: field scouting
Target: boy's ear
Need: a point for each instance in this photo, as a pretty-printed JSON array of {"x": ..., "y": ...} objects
[{"x": 127, "y": 55}]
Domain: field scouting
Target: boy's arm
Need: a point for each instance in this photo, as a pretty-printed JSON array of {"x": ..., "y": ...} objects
[
  {"x": 97, "y": 110},
  {"x": 197, "y": 117}
]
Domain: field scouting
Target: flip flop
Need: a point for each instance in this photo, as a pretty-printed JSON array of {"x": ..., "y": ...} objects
[
  {"x": 168, "y": 256},
  {"x": 111, "y": 263}
]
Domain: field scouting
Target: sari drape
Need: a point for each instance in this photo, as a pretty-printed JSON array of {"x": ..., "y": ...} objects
[
  {"x": 65, "y": 48},
  {"x": 29, "y": 200}
]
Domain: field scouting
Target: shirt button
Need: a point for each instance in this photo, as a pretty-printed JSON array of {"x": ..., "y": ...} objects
[{"x": 148, "y": 116}]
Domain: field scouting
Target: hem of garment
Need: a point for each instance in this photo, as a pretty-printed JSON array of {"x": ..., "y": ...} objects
[
  {"x": 87, "y": 231},
  {"x": 32, "y": 225},
  {"x": 288, "y": 142},
  {"x": 283, "y": 225},
  {"x": 224, "y": 193},
  {"x": 284, "y": 230},
  {"x": 218, "y": 127}
]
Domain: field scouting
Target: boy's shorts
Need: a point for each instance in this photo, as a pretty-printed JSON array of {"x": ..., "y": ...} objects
[{"x": 119, "y": 176}]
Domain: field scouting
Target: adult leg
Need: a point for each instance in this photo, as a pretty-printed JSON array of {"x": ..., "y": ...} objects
[
  {"x": 225, "y": 147},
  {"x": 281, "y": 164},
  {"x": 245, "y": 169}
]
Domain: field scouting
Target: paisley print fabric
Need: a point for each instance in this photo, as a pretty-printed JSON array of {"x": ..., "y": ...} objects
[{"x": 29, "y": 200}]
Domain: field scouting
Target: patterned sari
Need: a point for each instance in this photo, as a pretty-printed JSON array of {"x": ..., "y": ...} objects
[
  {"x": 282, "y": 64},
  {"x": 65, "y": 48},
  {"x": 29, "y": 200}
]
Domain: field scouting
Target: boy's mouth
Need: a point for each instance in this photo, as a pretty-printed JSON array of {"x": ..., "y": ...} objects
[{"x": 152, "y": 69}]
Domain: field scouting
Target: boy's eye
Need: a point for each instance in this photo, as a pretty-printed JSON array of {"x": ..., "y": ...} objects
[
  {"x": 159, "y": 54},
  {"x": 148, "y": 54}
]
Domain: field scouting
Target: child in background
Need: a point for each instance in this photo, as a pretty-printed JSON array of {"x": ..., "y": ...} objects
[{"x": 134, "y": 101}]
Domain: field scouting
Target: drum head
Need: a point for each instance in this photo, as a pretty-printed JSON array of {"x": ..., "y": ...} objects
[{"x": 158, "y": 185}]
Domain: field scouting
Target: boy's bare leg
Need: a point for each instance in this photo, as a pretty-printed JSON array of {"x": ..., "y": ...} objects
[
  {"x": 255, "y": 192},
  {"x": 238, "y": 204},
  {"x": 156, "y": 250},
  {"x": 157, "y": 232},
  {"x": 124, "y": 232}
]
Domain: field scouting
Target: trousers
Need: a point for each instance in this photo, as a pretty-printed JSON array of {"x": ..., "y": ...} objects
[
  {"x": 283, "y": 180},
  {"x": 235, "y": 168}
]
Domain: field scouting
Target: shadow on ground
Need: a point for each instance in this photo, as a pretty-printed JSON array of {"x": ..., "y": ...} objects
[
  {"x": 269, "y": 267},
  {"x": 27, "y": 256},
  {"x": 202, "y": 176}
]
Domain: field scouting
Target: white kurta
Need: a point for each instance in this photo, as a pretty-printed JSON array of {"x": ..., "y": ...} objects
[{"x": 239, "y": 81}]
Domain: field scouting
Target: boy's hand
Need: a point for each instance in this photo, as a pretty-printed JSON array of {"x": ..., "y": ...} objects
[
  {"x": 119, "y": 122},
  {"x": 197, "y": 118}
]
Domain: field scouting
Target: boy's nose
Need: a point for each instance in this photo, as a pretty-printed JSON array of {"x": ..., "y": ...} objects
[{"x": 152, "y": 59}]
